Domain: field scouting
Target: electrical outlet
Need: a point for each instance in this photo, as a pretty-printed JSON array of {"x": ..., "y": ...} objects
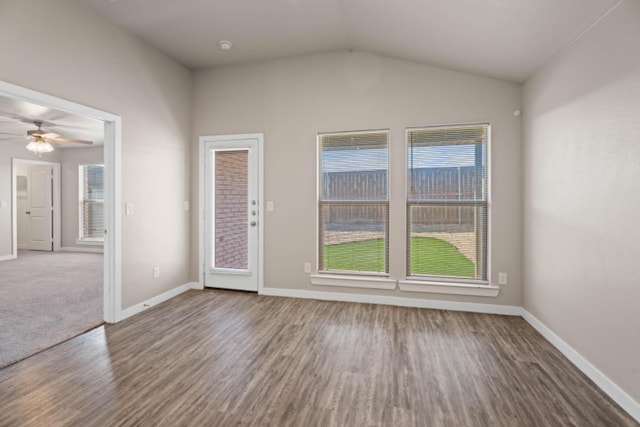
[
  {"x": 156, "y": 272},
  {"x": 269, "y": 206},
  {"x": 502, "y": 278},
  {"x": 307, "y": 267}
]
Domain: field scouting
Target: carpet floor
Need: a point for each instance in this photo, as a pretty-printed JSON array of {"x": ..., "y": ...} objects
[{"x": 47, "y": 298}]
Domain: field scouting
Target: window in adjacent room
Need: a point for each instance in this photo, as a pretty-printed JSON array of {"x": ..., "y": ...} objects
[
  {"x": 447, "y": 202},
  {"x": 353, "y": 202},
  {"x": 91, "y": 184}
]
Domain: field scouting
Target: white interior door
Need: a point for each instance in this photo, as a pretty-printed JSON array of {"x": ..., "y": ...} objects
[
  {"x": 41, "y": 208},
  {"x": 231, "y": 213}
]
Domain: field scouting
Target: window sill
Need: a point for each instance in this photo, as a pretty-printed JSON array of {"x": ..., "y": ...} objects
[
  {"x": 449, "y": 288},
  {"x": 90, "y": 242},
  {"x": 353, "y": 281}
]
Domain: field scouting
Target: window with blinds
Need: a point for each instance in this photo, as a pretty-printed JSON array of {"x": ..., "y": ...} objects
[
  {"x": 447, "y": 201},
  {"x": 91, "y": 184},
  {"x": 353, "y": 202}
]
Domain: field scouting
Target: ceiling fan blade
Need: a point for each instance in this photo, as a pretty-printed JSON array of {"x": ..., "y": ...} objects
[
  {"x": 75, "y": 141},
  {"x": 51, "y": 135},
  {"x": 61, "y": 120},
  {"x": 32, "y": 122},
  {"x": 10, "y": 119},
  {"x": 57, "y": 117},
  {"x": 13, "y": 134}
]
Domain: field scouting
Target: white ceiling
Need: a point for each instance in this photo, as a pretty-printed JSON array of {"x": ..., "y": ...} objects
[
  {"x": 506, "y": 39},
  {"x": 17, "y": 117}
]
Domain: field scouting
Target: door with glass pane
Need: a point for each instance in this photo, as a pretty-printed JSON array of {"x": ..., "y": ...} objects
[{"x": 231, "y": 213}]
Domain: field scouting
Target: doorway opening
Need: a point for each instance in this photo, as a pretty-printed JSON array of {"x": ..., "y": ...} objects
[{"x": 36, "y": 220}]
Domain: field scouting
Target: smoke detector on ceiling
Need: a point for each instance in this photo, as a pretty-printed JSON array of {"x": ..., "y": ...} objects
[{"x": 225, "y": 44}]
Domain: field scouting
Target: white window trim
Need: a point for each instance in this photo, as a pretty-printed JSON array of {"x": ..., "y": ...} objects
[
  {"x": 442, "y": 285},
  {"x": 366, "y": 279},
  {"x": 418, "y": 284},
  {"x": 90, "y": 242},
  {"x": 482, "y": 290},
  {"x": 361, "y": 281},
  {"x": 353, "y": 281}
]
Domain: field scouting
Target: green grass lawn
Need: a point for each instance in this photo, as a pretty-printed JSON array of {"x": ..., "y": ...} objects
[
  {"x": 365, "y": 255},
  {"x": 428, "y": 256}
]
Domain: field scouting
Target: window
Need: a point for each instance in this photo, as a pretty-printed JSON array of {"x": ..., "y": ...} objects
[
  {"x": 354, "y": 203},
  {"x": 447, "y": 202},
  {"x": 91, "y": 185}
]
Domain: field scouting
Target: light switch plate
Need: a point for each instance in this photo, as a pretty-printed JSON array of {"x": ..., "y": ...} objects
[
  {"x": 128, "y": 208},
  {"x": 269, "y": 206}
]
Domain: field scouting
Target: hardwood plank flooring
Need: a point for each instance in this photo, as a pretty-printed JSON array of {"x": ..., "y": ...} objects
[{"x": 223, "y": 358}]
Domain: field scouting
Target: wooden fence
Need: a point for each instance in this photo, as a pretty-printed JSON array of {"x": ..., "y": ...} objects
[{"x": 423, "y": 184}]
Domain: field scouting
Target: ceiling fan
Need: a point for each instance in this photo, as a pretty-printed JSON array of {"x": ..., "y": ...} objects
[{"x": 40, "y": 140}]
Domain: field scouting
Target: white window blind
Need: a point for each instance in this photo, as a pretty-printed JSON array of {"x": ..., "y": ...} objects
[
  {"x": 447, "y": 201},
  {"x": 91, "y": 183},
  {"x": 353, "y": 202}
]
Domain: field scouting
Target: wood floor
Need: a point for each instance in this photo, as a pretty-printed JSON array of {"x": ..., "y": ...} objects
[{"x": 222, "y": 358}]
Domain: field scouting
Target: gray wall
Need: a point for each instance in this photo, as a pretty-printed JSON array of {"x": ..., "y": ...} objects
[
  {"x": 582, "y": 170},
  {"x": 71, "y": 159},
  {"x": 291, "y": 100},
  {"x": 65, "y": 49}
]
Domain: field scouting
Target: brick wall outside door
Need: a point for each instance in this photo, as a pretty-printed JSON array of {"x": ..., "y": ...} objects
[{"x": 231, "y": 207}]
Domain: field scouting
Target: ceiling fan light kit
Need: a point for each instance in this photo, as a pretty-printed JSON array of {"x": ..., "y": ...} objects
[
  {"x": 40, "y": 140},
  {"x": 39, "y": 146}
]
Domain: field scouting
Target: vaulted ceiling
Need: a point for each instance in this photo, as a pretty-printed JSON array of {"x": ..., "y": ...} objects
[{"x": 505, "y": 39}]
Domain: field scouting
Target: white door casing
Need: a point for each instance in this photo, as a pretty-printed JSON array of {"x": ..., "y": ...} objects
[
  {"x": 113, "y": 222},
  {"x": 232, "y": 212},
  {"x": 21, "y": 199},
  {"x": 21, "y": 223}
]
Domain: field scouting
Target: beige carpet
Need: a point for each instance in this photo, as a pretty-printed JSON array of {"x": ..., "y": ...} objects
[{"x": 47, "y": 298}]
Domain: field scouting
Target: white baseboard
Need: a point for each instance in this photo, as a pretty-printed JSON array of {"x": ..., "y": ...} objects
[
  {"x": 601, "y": 380},
  {"x": 77, "y": 249},
  {"x": 508, "y": 310},
  {"x": 135, "y": 309},
  {"x": 7, "y": 257}
]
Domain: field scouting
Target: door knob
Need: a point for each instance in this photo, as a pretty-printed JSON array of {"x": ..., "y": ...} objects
[
  {"x": 28, "y": 212},
  {"x": 253, "y": 223}
]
